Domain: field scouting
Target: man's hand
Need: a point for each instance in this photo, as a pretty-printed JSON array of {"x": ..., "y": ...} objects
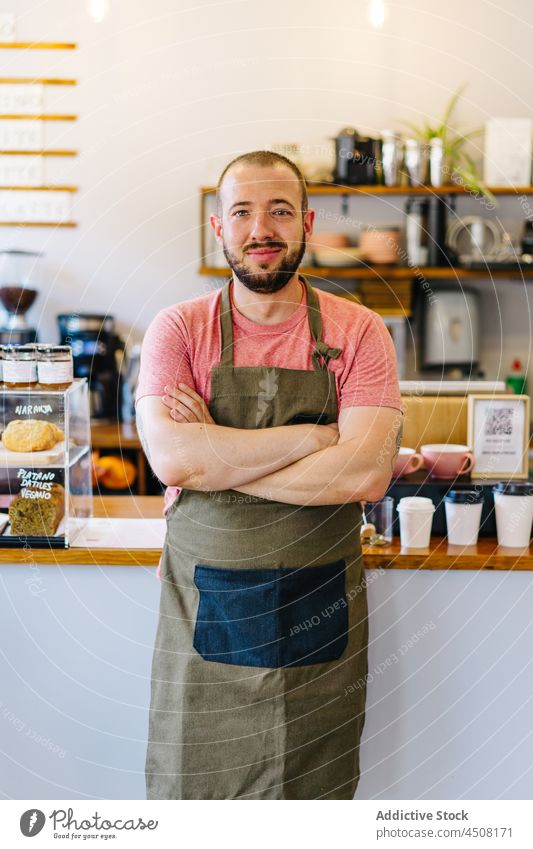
[
  {"x": 185, "y": 405},
  {"x": 206, "y": 456},
  {"x": 356, "y": 468}
]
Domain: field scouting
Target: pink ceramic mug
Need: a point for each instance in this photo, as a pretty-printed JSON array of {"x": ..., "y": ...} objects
[
  {"x": 446, "y": 460},
  {"x": 407, "y": 462}
]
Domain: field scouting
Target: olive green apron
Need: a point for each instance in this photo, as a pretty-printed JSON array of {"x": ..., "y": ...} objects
[{"x": 260, "y": 660}]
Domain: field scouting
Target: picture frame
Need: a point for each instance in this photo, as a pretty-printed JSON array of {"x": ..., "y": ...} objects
[
  {"x": 508, "y": 149},
  {"x": 498, "y": 435}
]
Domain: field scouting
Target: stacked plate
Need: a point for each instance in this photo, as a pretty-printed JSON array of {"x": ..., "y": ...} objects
[
  {"x": 338, "y": 257},
  {"x": 381, "y": 245}
]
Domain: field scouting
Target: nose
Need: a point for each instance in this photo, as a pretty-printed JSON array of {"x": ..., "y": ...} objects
[{"x": 262, "y": 226}]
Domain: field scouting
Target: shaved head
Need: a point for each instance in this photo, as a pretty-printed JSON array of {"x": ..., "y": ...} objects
[{"x": 264, "y": 159}]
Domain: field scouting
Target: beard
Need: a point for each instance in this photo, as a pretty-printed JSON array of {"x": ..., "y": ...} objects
[{"x": 267, "y": 282}]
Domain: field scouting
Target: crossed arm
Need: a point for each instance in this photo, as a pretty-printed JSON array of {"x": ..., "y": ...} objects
[{"x": 296, "y": 464}]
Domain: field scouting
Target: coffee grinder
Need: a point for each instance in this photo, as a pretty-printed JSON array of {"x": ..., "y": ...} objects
[{"x": 19, "y": 286}]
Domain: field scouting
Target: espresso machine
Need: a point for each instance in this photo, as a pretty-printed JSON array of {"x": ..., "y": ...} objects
[
  {"x": 95, "y": 350},
  {"x": 20, "y": 273},
  {"x": 357, "y": 158}
]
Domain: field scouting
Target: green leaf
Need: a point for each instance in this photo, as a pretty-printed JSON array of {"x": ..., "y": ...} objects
[{"x": 452, "y": 103}]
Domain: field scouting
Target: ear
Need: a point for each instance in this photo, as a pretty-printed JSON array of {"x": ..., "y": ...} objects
[
  {"x": 309, "y": 218},
  {"x": 216, "y": 223}
]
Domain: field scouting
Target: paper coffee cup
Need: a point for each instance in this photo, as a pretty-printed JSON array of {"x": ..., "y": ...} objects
[
  {"x": 513, "y": 503},
  {"x": 463, "y": 516},
  {"x": 416, "y": 518}
]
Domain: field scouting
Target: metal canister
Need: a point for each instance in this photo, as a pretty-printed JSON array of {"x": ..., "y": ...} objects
[
  {"x": 391, "y": 157},
  {"x": 436, "y": 162},
  {"x": 416, "y": 161}
]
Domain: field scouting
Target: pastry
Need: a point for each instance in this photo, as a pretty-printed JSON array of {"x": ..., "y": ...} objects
[
  {"x": 31, "y": 435},
  {"x": 37, "y": 516},
  {"x": 58, "y": 432}
]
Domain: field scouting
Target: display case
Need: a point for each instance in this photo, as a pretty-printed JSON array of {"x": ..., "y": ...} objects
[{"x": 45, "y": 465}]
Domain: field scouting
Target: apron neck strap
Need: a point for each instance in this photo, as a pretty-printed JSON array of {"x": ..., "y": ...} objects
[
  {"x": 321, "y": 353},
  {"x": 226, "y": 327}
]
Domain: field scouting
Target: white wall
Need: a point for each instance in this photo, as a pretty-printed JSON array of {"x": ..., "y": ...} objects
[{"x": 170, "y": 90}]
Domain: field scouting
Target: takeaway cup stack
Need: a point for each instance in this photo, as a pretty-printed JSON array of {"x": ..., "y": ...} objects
[
  {"x": 514, "y": 513},
  {"x": 416, "y": 518},
  {"x": 463, "y": 515}
]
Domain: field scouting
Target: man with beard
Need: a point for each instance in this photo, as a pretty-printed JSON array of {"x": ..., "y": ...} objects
[{"x": 270, "y": 409}]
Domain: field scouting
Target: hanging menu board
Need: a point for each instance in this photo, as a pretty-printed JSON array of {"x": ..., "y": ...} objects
[
  {"x": 21, "y": 98},
  {"x": 25, "y": 196},
  {"x": 21, "y": 171},
  {"x": 40, "y": 207}
]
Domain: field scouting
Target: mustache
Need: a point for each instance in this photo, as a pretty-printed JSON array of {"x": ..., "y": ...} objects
[{"x": 259, "y": 246}]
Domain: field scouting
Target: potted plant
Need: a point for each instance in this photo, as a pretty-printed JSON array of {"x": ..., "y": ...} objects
[{"x": 458, "y": 164}]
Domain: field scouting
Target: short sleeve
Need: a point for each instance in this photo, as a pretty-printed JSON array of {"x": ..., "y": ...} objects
[
  {"x": 165, "y": 355},
  {"x": 371, "y": 375}
]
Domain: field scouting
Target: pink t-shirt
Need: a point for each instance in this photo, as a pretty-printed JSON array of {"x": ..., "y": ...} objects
[{"x": 183, "y": 344}]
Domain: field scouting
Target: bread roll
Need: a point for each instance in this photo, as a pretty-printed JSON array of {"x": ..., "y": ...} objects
[
  {"x": 30, "y": 435},
  {"x": 58, "y": 433}
]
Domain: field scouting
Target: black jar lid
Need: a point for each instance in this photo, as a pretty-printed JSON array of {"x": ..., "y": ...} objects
[
  {"x": 514, "y": 487},
  {"x": 464, "y": 496}
]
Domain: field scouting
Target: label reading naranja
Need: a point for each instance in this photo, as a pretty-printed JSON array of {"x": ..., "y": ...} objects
[{"x": 33, "y": 409}]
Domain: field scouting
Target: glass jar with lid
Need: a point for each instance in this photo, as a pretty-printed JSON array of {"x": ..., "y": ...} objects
[
  {"x": 20, "y": 366},
  {"x": 54, "y": 366}
]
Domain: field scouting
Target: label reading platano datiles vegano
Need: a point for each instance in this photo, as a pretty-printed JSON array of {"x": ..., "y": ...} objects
[{"x": 35, "y": 484}]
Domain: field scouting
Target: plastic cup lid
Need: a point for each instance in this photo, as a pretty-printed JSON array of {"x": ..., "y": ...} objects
[
  {"x": 514, "y": 488},
  {"x": 464, "y": 496},
  {"x": 416, "y": 502}
]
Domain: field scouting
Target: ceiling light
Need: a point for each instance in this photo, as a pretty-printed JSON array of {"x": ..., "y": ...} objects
[
  {"x": 98, "y": 10},
  {"x": 377, "y": 13}
]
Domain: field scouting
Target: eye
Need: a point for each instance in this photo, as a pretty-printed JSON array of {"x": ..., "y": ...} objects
[
  {"x": 281, "y": 212},
  {"x": 240, "y": 212}
]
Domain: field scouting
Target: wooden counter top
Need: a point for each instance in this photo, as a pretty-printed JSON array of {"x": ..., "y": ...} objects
[
  {"x": 112, "y": 506},
  {"x": 486, "y": 555}
]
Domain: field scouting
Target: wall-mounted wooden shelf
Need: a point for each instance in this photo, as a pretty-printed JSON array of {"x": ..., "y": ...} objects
[
  {"x": 338, "y": 189},
  {"x": 389, "y": 272},
  {"x": 38, "y": 188},
  {"x": 37, "y": 45},
  {"x": 38, "y": 224},
  {"x": 383, "y": 272},
  {"x": 25, "y": 213},
  {"x": 34, "y": 80},
  {"x": 38, "y": 152},
  {"x": 38, "y": 117}
]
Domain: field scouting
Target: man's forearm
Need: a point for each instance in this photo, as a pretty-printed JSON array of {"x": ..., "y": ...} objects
[
  {"x": 324, "y": 478},
  {"x": 209, "y": 456},
  {"x": 217, "y": 457}
]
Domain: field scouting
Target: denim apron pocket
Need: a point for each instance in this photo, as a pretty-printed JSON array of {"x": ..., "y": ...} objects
[{"x": 271, "y": 617}]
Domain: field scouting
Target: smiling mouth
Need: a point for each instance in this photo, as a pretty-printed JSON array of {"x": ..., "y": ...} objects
[{"x": 263, "y": 253}]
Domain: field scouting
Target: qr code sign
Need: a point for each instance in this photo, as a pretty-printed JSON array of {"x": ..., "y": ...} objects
[{"x": 499, "y": 422}]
